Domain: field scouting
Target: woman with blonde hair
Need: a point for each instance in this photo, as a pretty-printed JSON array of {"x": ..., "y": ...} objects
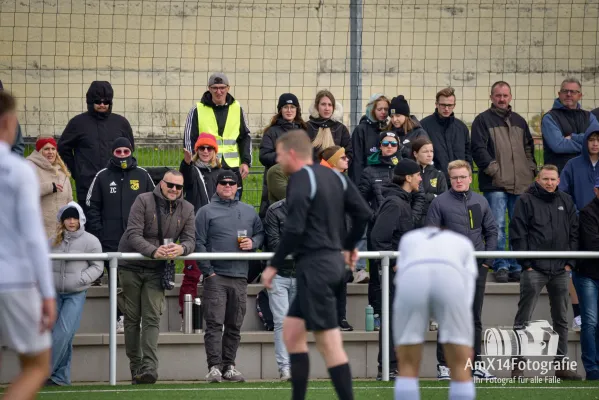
[
  {"x": 54, "y": 180},
  {"x": 325, "y": 125}
]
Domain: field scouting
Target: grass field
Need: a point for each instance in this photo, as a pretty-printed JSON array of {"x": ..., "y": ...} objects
[{"x": 319, "y": 390}]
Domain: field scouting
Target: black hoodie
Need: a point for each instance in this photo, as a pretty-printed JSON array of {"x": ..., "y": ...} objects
[
  {"x": 544, "y": 221},
  {"x": 365, "y": 142},
  {"x": 86, "y": 143},
  {"x": 393, "y": 220},
  {"x": 433, "y": 183},
  {"x": 111, "y": 196},
  {"x": 244, "y": 141}
]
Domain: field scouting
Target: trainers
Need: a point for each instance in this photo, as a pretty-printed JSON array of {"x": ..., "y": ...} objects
[
  {"x": 361, "y": 277},
  {"x": 377, "y": 322},
  {"x": 483, "y": 373},
  {"x": 345, "y": 326},
  {"x": 231, "y": 374},
  {"x": 576, "y": 324},
  {"x": 392, "y": 375},
  {"x": 567, "y": 375},
  {"x": 501, "y": 276},
  {"x": 120, "y": 325},
  {"x": 285, "y": 375},
  {"x": 214, "y": 376},
  {"x": 443, "y": 373},
  {"x": 147, "y": 377},
  {"x": 433, "y": 325},
  {"x": 97, "y": 282},
  {"x": 514, "y": 276}
]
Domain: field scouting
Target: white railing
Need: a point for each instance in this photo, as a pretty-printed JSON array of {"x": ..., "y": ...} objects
[{"x": 385, "y": 256}]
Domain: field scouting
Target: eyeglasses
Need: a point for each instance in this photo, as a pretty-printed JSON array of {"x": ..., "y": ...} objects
[
  {"x": 458, "y": 178},
  {"x": 227, "y": 183},
  {"x": 218, "y": 88},
  {"x": 205, "y": 148},
  {"x": 125, "y": 152},
  {"x": 171, "y": 185},
  {"x": 101, "y": 101},
  {"x": 565, "y": 91},
  {"x": 386, "y": 143},
  {"x": 446, "y": 105}
]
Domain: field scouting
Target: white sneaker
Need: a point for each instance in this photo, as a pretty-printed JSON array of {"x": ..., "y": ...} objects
[
  {"x": 443, "y": 373},
  {"x": 577, "y": 324},
  {"x": 483, "y": 373},
  {"x": 433, "y": 326},
  {"x": 120, "y": 325},
  {"x": 361, "y": 276},
  {"x": 285, "y": 375},
  {"x": 231, "y": 374},
  {"x": 214, "y": 376}
]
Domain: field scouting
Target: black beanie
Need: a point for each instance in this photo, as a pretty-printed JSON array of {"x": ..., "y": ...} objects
[
  {"x": 387, "y": 134},
  {"x": 287, "y": 98},
  {"x": 406, "y": 167},
  {"x": 121, "y": 142},
  {"x": 399, "y": 105},
  {"x": 70, "y": 212}
]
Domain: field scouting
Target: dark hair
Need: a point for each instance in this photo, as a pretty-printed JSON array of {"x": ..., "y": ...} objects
[
  {"x": 320, "y": 95},
  {"x": 328, "y": 152},
  {"x": 399, "y": 179},
  {"x": 419, "y": 143},
  {"x": 298, "y": 119},
  {"x": 173, "y": 172},
  {"x": 593, "y": 134},
  {"x": 447, "y": 92},
  {"x": 500, "y": 83},
  {"x": 7, "y": 102}
]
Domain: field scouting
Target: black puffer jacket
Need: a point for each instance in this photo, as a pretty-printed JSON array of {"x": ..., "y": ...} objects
[
  {"x": 544, "y": 221},
  {"x": 86, "y": 143},
  {"x": 407, "y": 139},
  {"x": 110, "y": 198},
  {"x": 274, "y": 224},
  {"x": 365, "y": 142},
  {"x": 433, "y": 184},
  {"x": 268, "y": 154},
  {"x": 393, "y": 220},
  {"x": 199, "y": 184}
]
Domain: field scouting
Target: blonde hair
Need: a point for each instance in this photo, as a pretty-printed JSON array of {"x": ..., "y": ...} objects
[
  {"x": 459, "y": 164},
  {"x": 214, "y": 162},
  {"x": 60, "y": 228},
  {"x": 62, "y": 165},
  {"x": 324, "y": 139},
  {"x": 407, "y": 126},
  {"x": 549, "y": 167}
]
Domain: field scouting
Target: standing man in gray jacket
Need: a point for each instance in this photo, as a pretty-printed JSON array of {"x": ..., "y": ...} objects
[
  {"x": 464, "y": 211},
  {"x": 225, "y": 225}
]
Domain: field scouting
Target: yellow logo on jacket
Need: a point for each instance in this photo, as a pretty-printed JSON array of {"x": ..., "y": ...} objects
[
  {"x": 134, "y": 184},
  {"x": 433, "y": 182},
  {"x": 394, "y": 160}
]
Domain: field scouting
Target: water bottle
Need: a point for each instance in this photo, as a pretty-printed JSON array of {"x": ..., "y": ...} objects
[
  {"x": 197, "y": 315},
  {"x": 187, "y": 314},
  {"x": 369, "y": 318}
]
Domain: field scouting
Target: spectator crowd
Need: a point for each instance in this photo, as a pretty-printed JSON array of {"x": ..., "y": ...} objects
[{"x": 411, "y": 172}]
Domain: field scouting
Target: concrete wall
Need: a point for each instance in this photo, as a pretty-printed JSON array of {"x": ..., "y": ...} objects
[{"x": 159, "y": 54}]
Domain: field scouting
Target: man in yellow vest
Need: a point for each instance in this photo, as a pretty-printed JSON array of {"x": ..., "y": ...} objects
[{"x": 219, "y": 114}]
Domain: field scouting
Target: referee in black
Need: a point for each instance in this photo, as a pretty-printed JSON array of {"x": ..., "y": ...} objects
[{"x": 318, "y": 199}]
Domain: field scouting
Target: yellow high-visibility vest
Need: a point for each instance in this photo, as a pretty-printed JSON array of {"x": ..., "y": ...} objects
[{"x": 227, "y": 143}]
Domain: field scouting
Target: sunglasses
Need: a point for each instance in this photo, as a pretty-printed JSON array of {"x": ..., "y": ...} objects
[
  {"x": 205, "y": 148},
  {"x": 227, "y": 183},
  {"x": 122, "y": 152},
  {"x": 387, "y": 143},
  {"x": 105, "y": 102},
  {"x": 171, "y": 185}
]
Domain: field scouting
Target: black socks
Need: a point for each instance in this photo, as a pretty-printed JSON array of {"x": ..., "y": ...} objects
[
  {"x": 300, "y": 371},
  {"x": 341, "y": 377},
  {"x": 576, "y": 309}
]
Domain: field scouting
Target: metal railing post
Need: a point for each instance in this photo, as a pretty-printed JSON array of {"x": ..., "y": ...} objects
[
  {"x": 112, "y": 285},
  {"x": 385, "y": 317}
]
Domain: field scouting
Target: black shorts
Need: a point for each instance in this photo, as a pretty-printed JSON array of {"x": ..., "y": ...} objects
[{"x": 320, "y": 279}]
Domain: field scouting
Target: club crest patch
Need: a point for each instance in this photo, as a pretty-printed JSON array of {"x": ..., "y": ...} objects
[
  {"x": 134, "y": 184},
  {"x": 433, "y": 182}
]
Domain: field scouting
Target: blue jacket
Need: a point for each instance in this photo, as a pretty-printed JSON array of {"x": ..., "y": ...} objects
[
  {"x": 553, "y": 135},
  {"x": 578, "y": 177}
]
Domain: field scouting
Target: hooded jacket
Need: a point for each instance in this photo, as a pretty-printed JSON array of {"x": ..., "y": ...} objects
[
  {"x": 467, "y": 213},
  {"x": 578, "y": 177},
  {"x": 451, "y": 140},
  {"x": 110, "y": 198},
  {"x": 503, "y": 150},
  {"x": 76, "y": 276},
  {"x": 48, "y": 176},
  {"x": 244, "y": 140},
  {"x": 199, "y": 183},
  {"x": 544, "y": 221},
  {"x": 268, "y": 154},
  {"x": 365, "y": 141},
  {"x": 559, "y": 123},
  {"x": 339, "y": 131},
  {"x": 394, "y": 219},
  {"x": 216, "y": 232},
  {"x": 589, "y": 239},
  {"x": 86, "y": 143},
  {"x": 407, "y": 139},
  {"x": 274, "y": 225},
  {"x": 433, "y": 184},
  {"x": 141, "y": 235}
]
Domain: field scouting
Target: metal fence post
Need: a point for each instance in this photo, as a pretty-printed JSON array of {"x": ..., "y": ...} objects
[
  {"x": 385, "y": 316},
  {"x": 112, "y": 285}
]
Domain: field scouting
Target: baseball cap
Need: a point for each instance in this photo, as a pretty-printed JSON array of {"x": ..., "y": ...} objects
[
  {"x": 226, "y": 174},
  {"x": 218, "y": 79}
]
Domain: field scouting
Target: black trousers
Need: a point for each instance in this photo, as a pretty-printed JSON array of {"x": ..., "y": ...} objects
[{"x": 374, "y": 286}]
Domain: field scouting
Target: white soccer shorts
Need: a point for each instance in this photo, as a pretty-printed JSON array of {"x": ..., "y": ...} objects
[
  {"x": 20, "y": 318},
  {"x": 433, "y": 291}
]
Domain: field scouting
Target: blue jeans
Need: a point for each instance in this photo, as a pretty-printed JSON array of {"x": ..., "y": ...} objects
[
  {"x": 69, "y": 307},
  {"x": 587, "y": 290},
  {"x": 499, "y": 203},
  {"x": 279, "y": 298}
]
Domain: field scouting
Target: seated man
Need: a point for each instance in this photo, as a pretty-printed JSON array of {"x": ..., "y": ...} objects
[{"x": 225, "y": 225}]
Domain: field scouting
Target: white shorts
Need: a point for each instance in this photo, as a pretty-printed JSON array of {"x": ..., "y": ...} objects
[
  {"x": 433, "y": 291},
  {"x": 20, "y": 318}
]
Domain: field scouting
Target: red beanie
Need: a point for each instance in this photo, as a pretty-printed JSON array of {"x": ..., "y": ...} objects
[
  {"x": 41, "y": 142},
  {"x": 206, "y": 139}
]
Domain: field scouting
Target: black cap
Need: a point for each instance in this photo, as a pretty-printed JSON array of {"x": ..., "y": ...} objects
[
  {"x": 406, "y": 167},
  {"x": 121, "y": 142},
  {"x": 399, "y": 105},
  {"x": 227, "y": 174},
  {"x": 287, "y": 98},
  {"x": 70, "y": 212},
  {"x": 387, "y": 134}
]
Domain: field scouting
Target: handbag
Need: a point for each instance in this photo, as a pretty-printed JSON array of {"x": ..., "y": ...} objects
[{"x": 167, "y": 279}]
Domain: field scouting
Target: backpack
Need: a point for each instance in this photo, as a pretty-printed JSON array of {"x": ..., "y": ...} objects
[{"x": 263, "y": 309}]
